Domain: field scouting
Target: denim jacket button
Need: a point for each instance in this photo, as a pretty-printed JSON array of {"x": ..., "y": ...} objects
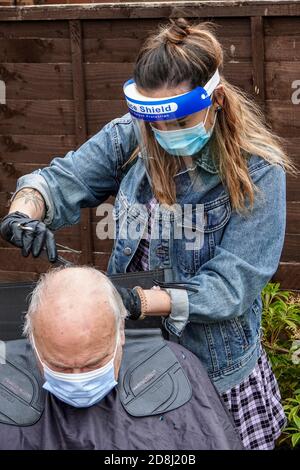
[{"x": 127, "y": 251}]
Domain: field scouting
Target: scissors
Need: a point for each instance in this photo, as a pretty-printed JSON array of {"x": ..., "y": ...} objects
[{"x": 60, "y": 260}]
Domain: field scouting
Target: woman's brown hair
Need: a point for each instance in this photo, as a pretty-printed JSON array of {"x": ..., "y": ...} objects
[{"x": 182, "y": 52}]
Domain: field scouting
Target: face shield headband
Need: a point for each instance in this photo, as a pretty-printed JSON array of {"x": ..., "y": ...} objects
[{"x": 174, "y": 107}]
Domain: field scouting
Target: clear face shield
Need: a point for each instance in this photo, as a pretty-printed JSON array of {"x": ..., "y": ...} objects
[{"x": 172, "y": 124}]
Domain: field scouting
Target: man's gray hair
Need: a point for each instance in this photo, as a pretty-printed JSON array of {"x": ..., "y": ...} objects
[{"x": 37, "y": 298}]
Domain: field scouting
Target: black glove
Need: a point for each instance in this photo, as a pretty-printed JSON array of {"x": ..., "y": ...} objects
[
  {"x": 33, "y": 237},
  {"x": 132, "y": 302}
]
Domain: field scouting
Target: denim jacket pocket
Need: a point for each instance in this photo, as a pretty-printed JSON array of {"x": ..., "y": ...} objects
[
  {"x": 215, "y": 217},
  {"x": 256, "y": 311},
  {"x": 241, "y": 330},
  {"x": 227, "y": 340},
  {"x": 130, "y": 223}
]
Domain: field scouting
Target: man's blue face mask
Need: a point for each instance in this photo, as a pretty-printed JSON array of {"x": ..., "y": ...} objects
[
  {"x": 84, "y": 389},
  {"x": 184, "y": 142}
]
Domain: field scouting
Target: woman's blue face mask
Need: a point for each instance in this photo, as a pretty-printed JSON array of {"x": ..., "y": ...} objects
[{"x": 184, "y": 142}]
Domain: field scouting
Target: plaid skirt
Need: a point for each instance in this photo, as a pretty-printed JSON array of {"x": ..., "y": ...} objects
[{"x": 255, "y": 403}]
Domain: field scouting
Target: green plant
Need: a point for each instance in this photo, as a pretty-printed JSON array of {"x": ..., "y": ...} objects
[
  {"x": 292, "y": 409},
  {"x": 281, "y": 339}
]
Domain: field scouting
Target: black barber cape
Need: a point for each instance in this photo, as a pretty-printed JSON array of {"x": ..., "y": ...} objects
[{"x": 202, "y": 422}]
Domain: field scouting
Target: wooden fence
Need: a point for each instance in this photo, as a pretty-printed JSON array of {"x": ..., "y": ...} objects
[{"x": 64, "y": 65}]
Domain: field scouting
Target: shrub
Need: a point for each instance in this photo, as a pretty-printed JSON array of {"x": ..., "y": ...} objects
[{"x": 281, "y": 339}]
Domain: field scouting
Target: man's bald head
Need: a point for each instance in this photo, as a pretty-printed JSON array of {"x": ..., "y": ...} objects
[{"x": 74, "y": 316}]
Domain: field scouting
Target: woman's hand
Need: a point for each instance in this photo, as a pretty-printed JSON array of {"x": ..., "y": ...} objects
[{"x": 31, "y": 235}]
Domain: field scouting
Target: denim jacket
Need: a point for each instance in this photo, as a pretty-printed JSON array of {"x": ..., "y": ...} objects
[{"x": 220, "y": 323}]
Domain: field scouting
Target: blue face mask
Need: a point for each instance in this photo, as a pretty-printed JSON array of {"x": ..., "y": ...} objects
[
  {"x": 83, "y": 389},
  {"x": 184, "y": 142}
]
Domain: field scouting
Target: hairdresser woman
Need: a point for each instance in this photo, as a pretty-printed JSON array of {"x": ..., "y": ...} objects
[{"x": 190, "y": 140}]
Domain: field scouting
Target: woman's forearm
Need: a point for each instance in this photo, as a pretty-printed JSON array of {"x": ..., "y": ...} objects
[
  {"x": 158, "y": 302},
  {"x": 30, "y": 202}
]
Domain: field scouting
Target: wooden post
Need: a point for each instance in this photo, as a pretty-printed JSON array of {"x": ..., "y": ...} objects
[
  {"x": 258, "y": 57},
  {"x": 80, "y": 128}
]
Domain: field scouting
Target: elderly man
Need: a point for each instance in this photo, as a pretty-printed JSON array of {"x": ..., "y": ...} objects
[{"x": 64, "y": 396}]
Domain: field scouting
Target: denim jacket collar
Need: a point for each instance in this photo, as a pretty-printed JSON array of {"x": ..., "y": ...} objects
[{"x": 205, "y": 160}]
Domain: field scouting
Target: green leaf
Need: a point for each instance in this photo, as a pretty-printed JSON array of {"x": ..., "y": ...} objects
[
  {"x": 295, "y": 439},
  {"x": 296, "y": 420}
]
